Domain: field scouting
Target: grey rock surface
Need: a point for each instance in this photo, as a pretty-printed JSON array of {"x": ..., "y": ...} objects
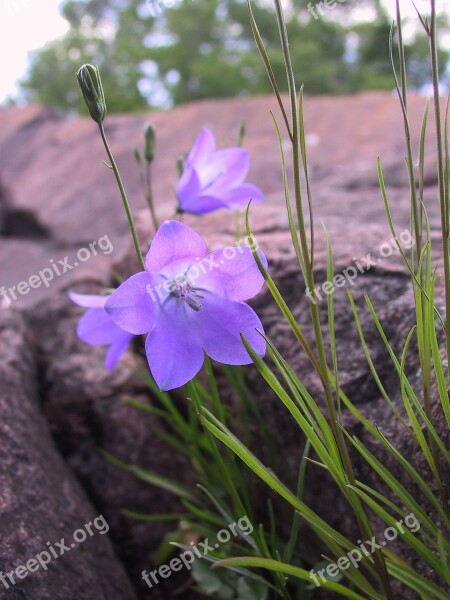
[{"x": 41, "y": 501}]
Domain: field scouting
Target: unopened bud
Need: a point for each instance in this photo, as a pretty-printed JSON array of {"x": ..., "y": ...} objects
[
  {"x": 180, "y": 164},
  {"x": 241, "y": 135},
  {"x": 150, "y": 143},
  {"x": 91, "y": 86},
  {"x": 137, "y": 156}
]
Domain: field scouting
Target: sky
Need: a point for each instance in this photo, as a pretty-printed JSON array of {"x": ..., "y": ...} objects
[{"x": 26, "y": 25}]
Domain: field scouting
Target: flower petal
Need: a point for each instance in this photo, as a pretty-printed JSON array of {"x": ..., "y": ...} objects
[
  {"x": 219, "y": 324},
  {"x": 87, "y": 300},
  {"x": 97, "y": 328},
  {"x": 132, "y": 306},
  {"x": 241, "y": 196},
  {"x": 229, "y": 199},
  {"x": 203, "y": 147},
  {"x": 174, "y": 352},
  {"x": 188, "y": 186},
  {"x": 200, "y": 204},
  {"x": 225, "y": 169},
  {"x": 230, "y": 271},
  {"x": 116, "y": 350},
  {"x": 174, "y": 241}
]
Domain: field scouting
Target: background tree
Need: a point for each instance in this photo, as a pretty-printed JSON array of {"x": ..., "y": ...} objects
[
  {"x": 152, "y": 54},
  {"x": 108, "y": 33}
]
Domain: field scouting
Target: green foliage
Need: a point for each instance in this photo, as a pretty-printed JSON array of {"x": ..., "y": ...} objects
[
  {"x": 105, "y": 33},
  {"x": 234, "y": 480},
  {"x": 198, "y": 49}
]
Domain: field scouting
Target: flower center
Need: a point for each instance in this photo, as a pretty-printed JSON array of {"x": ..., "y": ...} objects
[{"x": 184, "y": 292}]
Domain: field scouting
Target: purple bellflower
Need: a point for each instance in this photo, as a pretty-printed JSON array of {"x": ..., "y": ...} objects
[
  {"x": 214, "y": 179},
  {"x": 98, "y": 329},
  {"x": 190, "y": 303}
]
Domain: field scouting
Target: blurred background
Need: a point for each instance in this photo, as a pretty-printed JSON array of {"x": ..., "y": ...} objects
[{"x": 159, "y": 53}]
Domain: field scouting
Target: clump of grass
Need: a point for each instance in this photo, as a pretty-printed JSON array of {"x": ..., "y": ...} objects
[{"x": 265, "y": 563}]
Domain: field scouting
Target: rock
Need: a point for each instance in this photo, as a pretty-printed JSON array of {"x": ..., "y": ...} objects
[
  {"x": 52, "y": 173},
  {"x": 40, "y": 500}
]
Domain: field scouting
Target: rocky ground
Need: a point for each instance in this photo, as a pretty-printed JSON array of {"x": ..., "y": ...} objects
[{"x": 58, "y": 405}]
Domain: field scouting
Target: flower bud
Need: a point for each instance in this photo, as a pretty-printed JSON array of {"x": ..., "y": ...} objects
[
  {"x": 180, "y": 164},
  {"x": 241, "y": 135},
  {"x": 137, "y": 156},
  {"x": 91, "y": 86},
  {"x": 150, "y": 143}
]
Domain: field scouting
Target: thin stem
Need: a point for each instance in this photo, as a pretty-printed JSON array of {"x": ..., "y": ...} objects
[
  {"x": 214, "y": 390},
  {"x": 308, "y": 272},
  {"x": 238, "y": 505},
  {"x": 443, "y": 195},
  {"x": 295, "y": 131},
  {"x": 309, "y": 277},
  {"x": 126, "y": 204},
  {"x": 424, "y": 351},
  {"x": 415, "y": 211},
  {"x": 149, "y": 195},
  {"x": 445, "y": 212}
]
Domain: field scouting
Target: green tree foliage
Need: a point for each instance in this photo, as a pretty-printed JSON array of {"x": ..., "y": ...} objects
[
  {"x": 102, "y": 32},
  {"x": 164, "y": 52}
]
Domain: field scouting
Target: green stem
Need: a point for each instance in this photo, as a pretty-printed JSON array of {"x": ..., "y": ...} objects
[
  {"x": 443, "y": 195},
  {"x": 416, "y": 213},
  {"x": 237, "y": 502},
  {"x": 308, "y": 272},
  {"x": 425, "y": 353},
  {"x": 126, "y": 204},
  {"x": 445, "y": 216},
  {"x": 309, "y": 277},
  {"x": 227, "y": 475},
  {"x": 149, "y": 196}
]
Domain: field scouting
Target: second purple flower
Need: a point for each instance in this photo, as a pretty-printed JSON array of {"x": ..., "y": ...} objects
[{"x": 214, "y": 179}]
